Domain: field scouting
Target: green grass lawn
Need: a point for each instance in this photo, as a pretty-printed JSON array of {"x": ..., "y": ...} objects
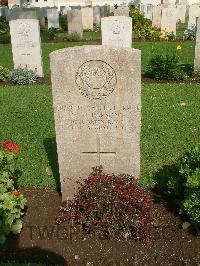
[
  {"x": 170, "y": 123},
  {"x": 147, "y": 48}
]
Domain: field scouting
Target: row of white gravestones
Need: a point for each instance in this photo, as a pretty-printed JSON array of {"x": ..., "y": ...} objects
[
  {"x": 165, "y": 16},
  {"x": 26, "y": 44},
  {"x": 97, "y": 109}
]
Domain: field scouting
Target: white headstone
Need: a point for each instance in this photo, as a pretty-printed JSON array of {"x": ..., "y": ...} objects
[
  {"x": 87, "y": 18},
  {"x": 74, "y": 19},
  {"x": 26, "y": 44},
  {"x": 169, "y": 19},
  {"x": 97, "y": 14},
  {"x": 97, "y": 111},
  {"x": 116, "y": 31},
  {"x": 148, "y": 11},
  {"x": 181, "y": 13},
  {"x": 197, "y": 47},
  {"x": 156, "y": 20},
  {"x": 53, "y": 18},
  {"x": 194, "y": 13}
]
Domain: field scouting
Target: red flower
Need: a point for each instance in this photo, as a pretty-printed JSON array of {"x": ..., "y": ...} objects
[
  {"x": 138, "y": 24},
  {"x": 16, "y": 193},
  {"x": 10, "y": 145}
]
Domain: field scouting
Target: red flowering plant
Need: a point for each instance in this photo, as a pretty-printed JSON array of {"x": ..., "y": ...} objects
[
  {"x": 12, "y": 202},
  {"x": 112, "y": 206}
]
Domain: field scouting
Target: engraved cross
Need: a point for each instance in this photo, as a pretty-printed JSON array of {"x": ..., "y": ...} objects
[{"x": 99, "y": 152}]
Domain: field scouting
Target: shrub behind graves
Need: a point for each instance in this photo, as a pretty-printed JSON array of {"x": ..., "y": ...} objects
[
  {"x": 4, "y": 73},
  {"x": 141, "y": 25},
  {"x": 21, "y": 76},
  {"x": 63, "y": 22},
  {"x": 165, "y": 66},
  {"x": 4, "y": 29},
  {"x": 185, "y": 186},
  {"x": 12, "y": 202},
  {"x": 112, "y": 206}
]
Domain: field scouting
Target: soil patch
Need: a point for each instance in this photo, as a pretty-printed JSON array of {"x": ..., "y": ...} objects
[
  {"x": 145, "y": 80},
  {"x": 43, "y": 241}
]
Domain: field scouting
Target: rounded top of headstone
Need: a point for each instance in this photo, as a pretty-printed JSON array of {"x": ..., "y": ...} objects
[{"x": 92, "y": 48}]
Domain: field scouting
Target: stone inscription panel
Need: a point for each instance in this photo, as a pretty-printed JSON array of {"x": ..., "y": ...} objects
[{"x": 97, "y": 118}]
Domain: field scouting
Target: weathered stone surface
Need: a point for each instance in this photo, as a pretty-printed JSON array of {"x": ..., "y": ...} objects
[
  {"x": 197, "y": 47},
  {"x": 122, "y": 11},
  {"x": 96, "y": 97},
  {"x": 26, "y": 45},
  {"x": 53, "y": 18},
  {"x": 87, "y": 18},
  {"x": 116, "y": 31},
  {"x": 169, "y": 18},
  {"x": 156, "y": 20},
  {"x": 75, "y": 25}
]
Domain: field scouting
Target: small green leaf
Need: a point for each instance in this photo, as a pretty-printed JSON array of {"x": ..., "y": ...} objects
[{"x": 186, "y": 225}]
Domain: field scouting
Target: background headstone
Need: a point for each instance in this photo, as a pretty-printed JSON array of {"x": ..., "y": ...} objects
[
  {"x": 87, "y": 18},
  {"x": 97, "y": 14},
  {"x": 148, "y": 11},
  {"x": 194, "y": 13},
  {"x": 74, "y": 19},
  {"x": 197, "y": 47},
  {"x": 122, "y": 11},
  {"x": 156, "y": 20},
  {"x": 26, "y": 44},
  {"x": 181, "y": 13},
  {"x": 97, "y": 111},
  {"x": 169, "y": 19},
  {"x": 116, "y": 31},
  {"x": 53, "y": 18}
]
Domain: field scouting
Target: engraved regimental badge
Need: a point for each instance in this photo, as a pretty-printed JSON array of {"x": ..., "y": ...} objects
[{"x": 96, "y": 79}]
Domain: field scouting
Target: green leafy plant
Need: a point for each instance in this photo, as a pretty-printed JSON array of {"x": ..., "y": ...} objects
[
  {"x": 189, "y": 34},
  {"x": 4, "y": 29},
  {"x": 112, "y": 206},
  {"x": 4, "y": 73},
  {"x": 51, "y": 33},
  {"x": 165, "y": 65},
  {"x": 12, "y": 202},
  {"x": 63, "y": 22},
  {"x": 185, "y": 187},
  {"x": 21, "y": 76}
]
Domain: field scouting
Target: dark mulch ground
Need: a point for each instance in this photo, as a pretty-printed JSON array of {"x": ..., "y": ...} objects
[
  {"x": 42, "y": 241},
  {"x": 145, "y": 80}
]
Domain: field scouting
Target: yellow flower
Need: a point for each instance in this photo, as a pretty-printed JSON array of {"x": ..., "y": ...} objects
[
  {"x": 152, "y": 31},
  {"x": 178, "y": 47},
  {"x": 166, "y": 38}
]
